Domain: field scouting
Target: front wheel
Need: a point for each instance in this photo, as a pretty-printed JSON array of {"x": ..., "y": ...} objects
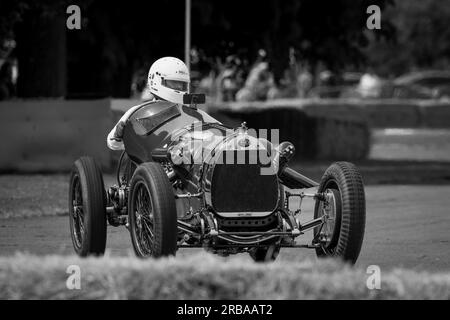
[
  {"x": 152, "y": 212},
  {"x": 344, "y": 207}
]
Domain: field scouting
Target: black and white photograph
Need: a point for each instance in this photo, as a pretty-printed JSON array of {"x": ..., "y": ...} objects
[{"x": 225, "y": 155}]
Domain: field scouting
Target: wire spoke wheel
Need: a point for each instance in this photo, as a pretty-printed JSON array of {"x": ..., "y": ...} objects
[
  {"x": 143, "y": 222},
  {"x": 328, "y": 233},
  {"x": 77, "y": 212},
  {"x": 152, "y": 212}
]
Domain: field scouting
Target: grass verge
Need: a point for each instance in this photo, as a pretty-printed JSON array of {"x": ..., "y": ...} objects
[
  {"x": 204, "y": 276},
  {"x": 24, "y": 196}
]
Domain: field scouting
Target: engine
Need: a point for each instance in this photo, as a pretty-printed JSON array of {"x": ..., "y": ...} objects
[{"x": 238, "y": 173}]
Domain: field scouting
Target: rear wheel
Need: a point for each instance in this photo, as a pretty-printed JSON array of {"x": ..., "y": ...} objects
[
  {"x": 87, "y": 208},
  {"x": 152, "y": 212},
  {"x": 342, "y": 233}
]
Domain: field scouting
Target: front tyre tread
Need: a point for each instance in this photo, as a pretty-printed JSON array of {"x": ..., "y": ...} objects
[{"x": 345, "y": 177}]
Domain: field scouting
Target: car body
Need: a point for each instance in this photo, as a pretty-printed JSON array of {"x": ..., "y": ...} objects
[{"x": 186, "y": 180}]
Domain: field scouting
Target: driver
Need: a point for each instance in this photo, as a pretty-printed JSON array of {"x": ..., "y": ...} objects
[{"x": 168, "y": 79}]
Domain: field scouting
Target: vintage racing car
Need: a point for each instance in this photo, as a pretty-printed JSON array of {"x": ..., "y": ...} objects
[{"x": 185, "y": 180}]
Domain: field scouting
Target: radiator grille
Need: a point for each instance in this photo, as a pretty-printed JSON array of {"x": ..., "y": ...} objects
[{"x": 241, "y": 188}]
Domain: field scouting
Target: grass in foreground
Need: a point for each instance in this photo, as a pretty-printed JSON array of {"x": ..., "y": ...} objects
[{"x": 204, "y": 276}]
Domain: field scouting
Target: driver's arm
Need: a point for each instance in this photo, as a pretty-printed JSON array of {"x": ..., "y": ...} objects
[{"x": 114, "y": 139}]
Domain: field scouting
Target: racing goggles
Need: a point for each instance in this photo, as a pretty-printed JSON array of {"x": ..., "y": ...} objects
[{"x": 176, "y": 85}]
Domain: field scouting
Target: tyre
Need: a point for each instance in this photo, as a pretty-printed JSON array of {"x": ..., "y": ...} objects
[
  {"x": 87, "y": 208},
  {"x": 341, "y": 236},
  {"x": 265, "y": 254},
  {"x": 152, "y": 212}
]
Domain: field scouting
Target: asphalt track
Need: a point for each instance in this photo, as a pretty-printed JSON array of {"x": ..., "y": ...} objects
[{"x": 407, "y": 226}]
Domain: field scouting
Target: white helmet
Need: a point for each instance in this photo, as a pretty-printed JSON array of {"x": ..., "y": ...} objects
[{"x": 169, "y": 79}]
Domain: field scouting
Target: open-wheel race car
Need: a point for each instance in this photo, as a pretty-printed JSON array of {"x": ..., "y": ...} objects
[{"x": 185, "y": 180}]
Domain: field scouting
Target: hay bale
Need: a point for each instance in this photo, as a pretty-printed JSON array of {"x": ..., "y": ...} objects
[
  {"x": 435, "y": 114},
  {"x": 204, "y": 276},
  {"x": 392, "y": 113},
  {"x": 315, "y": 137},
  {"x": 342, "y": 140}
]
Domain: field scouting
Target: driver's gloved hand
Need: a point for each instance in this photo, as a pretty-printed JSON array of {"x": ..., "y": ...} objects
[{"x": 118, "y": 133}]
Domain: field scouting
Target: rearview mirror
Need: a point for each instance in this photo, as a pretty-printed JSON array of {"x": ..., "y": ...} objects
[{"x": 194, "y": 98}]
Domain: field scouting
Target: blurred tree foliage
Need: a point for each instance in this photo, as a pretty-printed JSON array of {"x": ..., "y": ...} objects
[
  {"x": 420, "y": 38},
  {"x": 38, "y": 30},
  {"x": 332, "y": 32},
  {"x": 120, "y": 37}
]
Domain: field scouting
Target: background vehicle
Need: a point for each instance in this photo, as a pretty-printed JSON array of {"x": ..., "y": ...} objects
[
  {"x": 425, "y": 85},
  {"x": 418, "y": 85}
]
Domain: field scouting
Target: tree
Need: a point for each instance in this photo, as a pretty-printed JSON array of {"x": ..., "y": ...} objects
[
  {"x": 118, "y": 38},
  {"x": 39, "y": 31},
  {"x": 329, "y": 31},
  {"x": 421, "y": 40}
]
